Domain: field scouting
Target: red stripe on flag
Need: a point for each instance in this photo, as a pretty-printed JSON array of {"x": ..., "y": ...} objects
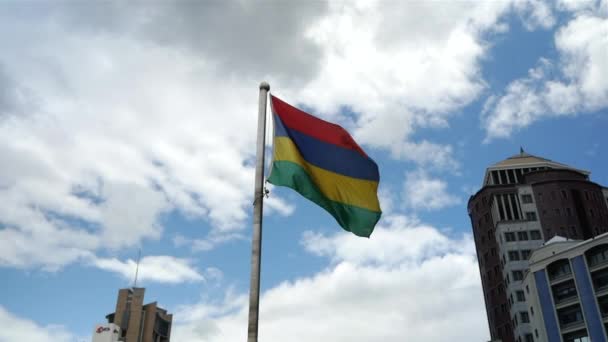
[{"x": 314, "y": 127}]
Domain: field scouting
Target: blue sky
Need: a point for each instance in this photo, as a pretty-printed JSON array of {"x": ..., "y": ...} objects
[{"x": 128, "y": 126}]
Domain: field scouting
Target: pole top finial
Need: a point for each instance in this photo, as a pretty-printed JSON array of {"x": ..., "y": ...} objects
[{"x": 265, "y": 85}]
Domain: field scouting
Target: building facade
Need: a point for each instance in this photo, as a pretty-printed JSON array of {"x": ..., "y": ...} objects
[
  {"x": 567, "y": 289},
  {"x": 526, "y": 200},
  {"x": 139, "y": 322}
]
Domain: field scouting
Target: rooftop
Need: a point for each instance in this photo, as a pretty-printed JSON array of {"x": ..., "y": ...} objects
[{"x": 523, "y": 159}]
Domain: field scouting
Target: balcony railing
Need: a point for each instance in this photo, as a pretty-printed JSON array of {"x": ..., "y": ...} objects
[{"x": 560, "y": 277}]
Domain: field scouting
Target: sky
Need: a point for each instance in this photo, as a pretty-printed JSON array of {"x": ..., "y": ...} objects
[{"x": 132, "y": 125}]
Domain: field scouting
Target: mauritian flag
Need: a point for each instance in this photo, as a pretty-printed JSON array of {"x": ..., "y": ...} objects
[{"x": 322, "y": 162}]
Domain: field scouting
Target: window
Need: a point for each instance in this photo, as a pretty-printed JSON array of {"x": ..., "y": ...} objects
[
  {"x": 535, "y": 235},
  {"x": 568, "y": 211},
  {"x": 603, "y": 303},
  {"x": 559, "y": 269},
  {"x": 527, "y": 198},
  {"x": 570, "y": 315},
  {"x": 564, "y": 291},
  {"x": 510, "y": 237},
  {"x": 525, "y": 254},
  {"x": 557, "y": 212},
  {"x": 597, "y": 255},
  {"x": 513, "y": 255},
  {"x": 522, "y": 236},
  {"x": 530, "y": 216},
  {"x": 529, "y": 338},
  {"x": 518, "y": 275},
  {"x": 532, "y": 311},
  {"x": 524, "y": 317},
  {"x": 577, "y": 336},
  {"x": 564, "y": 194},
  {"x": 520, "y": 296}
]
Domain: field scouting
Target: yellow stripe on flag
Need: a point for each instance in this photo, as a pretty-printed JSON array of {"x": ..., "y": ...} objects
[{"x": 336, "y": 187}]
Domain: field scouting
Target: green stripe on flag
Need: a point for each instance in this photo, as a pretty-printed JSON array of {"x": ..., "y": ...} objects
[{"x": 354, "y": 219}]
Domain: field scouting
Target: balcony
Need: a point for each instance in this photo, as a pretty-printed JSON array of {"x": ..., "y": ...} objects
[
  {"x": 597, "y": 257},
  {"x": 570, "y": 318},
  {"x": 600, "y": 280},
  {"x": 559, "y": 271},
  {"x": 564, "y": 293}
]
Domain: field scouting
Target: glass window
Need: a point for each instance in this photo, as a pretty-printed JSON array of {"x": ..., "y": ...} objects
[
  {"x": 529, "y": 338},
  {"x": 600, "y": 279},
  {"x": 597, "y": 255},
  {"x": 530, "y": 216},
  {"x": 570, "y": 315},
  {"x": 520, "y": 296},
  {"x": 526, "y": 198},
  {"x": 558, "y": 269},
  {"x": 510, "y": 236},
  {"x": 564, "y": 291},
  {"x": 535, "y": 235},
  {"x": 513, "y": 255},
  {"x": 525, "y": 254},
  {"x": 524, "y": 317},
  {"x": 522, "y": 236},
  {"x": 518, "y": 275}
]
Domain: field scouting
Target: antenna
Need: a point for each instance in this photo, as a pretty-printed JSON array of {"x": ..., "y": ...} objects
[{"x": 137, "y": 268}]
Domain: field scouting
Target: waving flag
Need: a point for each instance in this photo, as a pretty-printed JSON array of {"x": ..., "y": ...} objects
[{"x": 322, "y": 162}]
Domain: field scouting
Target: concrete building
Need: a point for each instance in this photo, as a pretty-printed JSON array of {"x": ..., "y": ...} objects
[
  {"x": 526, "y": 200},
  {"x": 108, "y": 332},
  {"x": 567, "y": 290},
  {"x": 139, "y": 322}
]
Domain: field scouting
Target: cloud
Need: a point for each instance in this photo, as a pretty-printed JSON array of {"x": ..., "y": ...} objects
[
  {"x": 421, "y": 191},
  {"x": 210, "y": 242},
  {"x": 161, "y": 269},
  {"x": 138, "y": 121},
  {"x": 535, "y": 14},
  {"x": 17, "y": 329},
  {"x": 570, "y": 87},
  {"x": 407, "y": 282}
]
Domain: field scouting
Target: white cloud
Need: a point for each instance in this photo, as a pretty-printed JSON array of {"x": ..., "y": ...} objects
[
  {"x": 135, "y": 121},
  {"x": 571, "y": 87},
  {"x": 208, "y": 243},
  {"x": 161, "y": 269},
  {"x": 421, "y": 191},
  {"x": 536, "y": 13},
  {"x": 17, "y": 329},
  {"x": 407, "y": 282}
]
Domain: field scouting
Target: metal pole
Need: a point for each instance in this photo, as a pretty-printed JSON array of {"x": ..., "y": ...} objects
[{"x": 258, "y": 200}]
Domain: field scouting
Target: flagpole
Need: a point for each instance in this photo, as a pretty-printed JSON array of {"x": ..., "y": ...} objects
[{"x": 258, "y": 200}]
